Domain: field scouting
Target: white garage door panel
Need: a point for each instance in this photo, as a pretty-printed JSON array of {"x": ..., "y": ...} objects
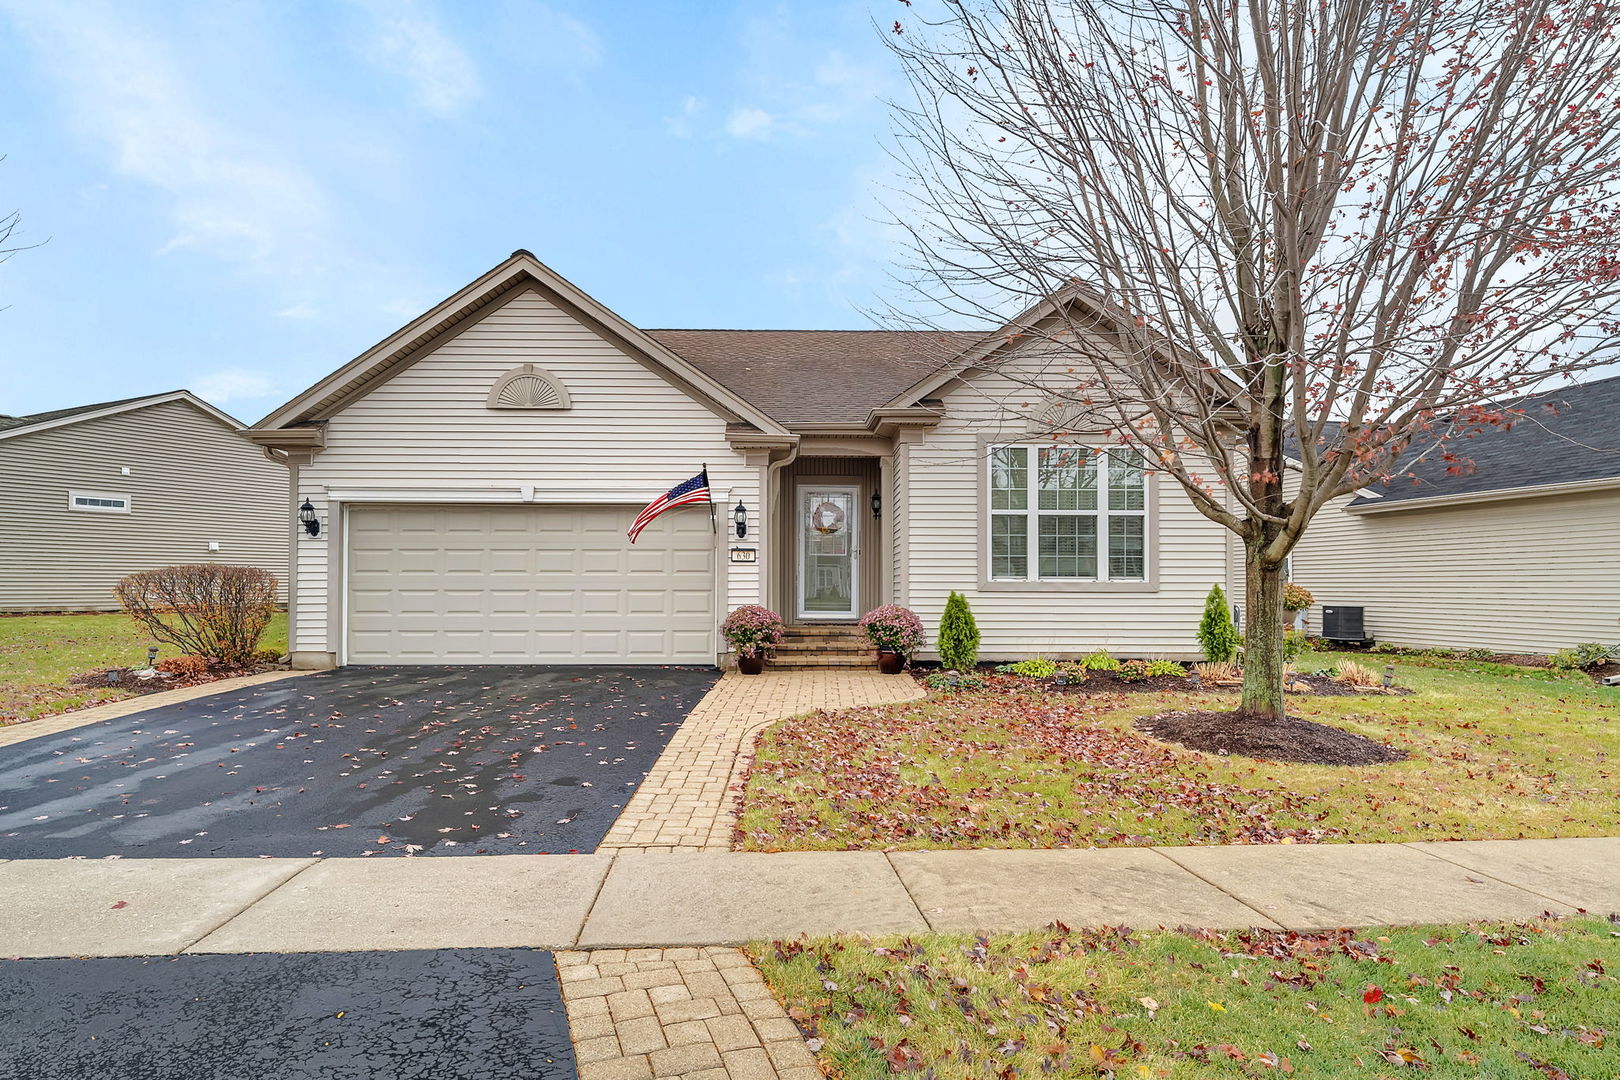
[{"x": 528, "y": 584}]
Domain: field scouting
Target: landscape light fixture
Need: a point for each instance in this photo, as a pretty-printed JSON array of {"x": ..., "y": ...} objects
[{"x": 306, "y": 514}]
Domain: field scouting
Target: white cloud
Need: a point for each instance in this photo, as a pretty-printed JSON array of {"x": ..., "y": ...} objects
[
  {"x": 300, "y": 310},
  {"x": 797, "y": 89},
  {"x": 410, "y": 42},
  {"x": 232, "y": 384},
  {"x": 229, "y": 196},
  {"x": 749, "y": 122},
  {"x": 680, "y": 125}
]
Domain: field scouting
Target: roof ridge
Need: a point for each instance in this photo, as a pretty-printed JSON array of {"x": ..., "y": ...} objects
[{"x": 797, "y": 330}]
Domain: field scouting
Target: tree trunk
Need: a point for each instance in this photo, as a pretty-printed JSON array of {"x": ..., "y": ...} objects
[{"x": 1263, "y": 663}]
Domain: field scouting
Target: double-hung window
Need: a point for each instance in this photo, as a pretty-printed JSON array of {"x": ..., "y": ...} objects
[{"x": 1067, "y": 513}]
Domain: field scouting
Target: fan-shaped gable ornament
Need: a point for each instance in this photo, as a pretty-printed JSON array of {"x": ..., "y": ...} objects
[{"x": 528, "y": 387}]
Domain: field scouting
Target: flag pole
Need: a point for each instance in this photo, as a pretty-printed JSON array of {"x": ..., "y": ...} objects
[{"x": 713, "y": 526}]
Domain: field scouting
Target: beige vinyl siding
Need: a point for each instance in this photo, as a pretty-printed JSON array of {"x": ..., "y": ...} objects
[
  {"x": 629, "y": 431},
  {"x": 192, "y": 479},
  {"x": 1518, "y": 575},
  {"x": 945, "y": 525}
]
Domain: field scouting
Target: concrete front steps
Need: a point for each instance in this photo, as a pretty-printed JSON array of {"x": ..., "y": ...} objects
[{"x": 826, "y": 646}]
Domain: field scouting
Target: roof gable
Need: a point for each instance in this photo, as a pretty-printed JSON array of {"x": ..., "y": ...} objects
[
  {"x": 521, "y": 271},
  {"x": 1022, "y": 327},
  {"x": 12, "y": 426}
]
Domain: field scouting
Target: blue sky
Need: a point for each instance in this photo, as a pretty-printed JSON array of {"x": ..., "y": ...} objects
[{"x": 240, "y": 197}]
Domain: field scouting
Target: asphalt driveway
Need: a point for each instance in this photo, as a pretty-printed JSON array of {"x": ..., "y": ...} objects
[
  {"x": 372, "y": 761},
  {"x": 467, "y": 1014}
]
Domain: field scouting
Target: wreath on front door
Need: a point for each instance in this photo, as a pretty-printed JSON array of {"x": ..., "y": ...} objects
[{"x": 827, "y": 518}]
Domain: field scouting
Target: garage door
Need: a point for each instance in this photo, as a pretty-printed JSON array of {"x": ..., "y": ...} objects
[{"x": 527, "y": 585}]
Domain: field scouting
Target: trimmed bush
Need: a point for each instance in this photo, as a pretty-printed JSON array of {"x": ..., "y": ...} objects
[
  {"x": 1217, "y": 635},
  {"x": 958, "y": 635},
  {"x": 186, "y": 667},
  {"x": 203, "y": 609}
]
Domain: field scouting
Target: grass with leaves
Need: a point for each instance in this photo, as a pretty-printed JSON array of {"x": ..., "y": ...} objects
[
  {"x": 1526, "y": 753},
  {"x": 1535, "y": 1000},
  {"x": 39, "y": 654}
]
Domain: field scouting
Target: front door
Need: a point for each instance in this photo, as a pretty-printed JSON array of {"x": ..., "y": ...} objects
[{"x": 829, "y": 551}]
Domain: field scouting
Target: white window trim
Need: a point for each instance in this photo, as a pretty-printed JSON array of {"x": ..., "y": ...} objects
[
  {"x": 1032, "y": 513},
  {"x": 75, "y": 496}
]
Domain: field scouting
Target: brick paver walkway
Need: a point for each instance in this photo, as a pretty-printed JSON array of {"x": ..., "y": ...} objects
[
  {"x": 687, "y": 802},
  {"x": 703, "y": 1014}
]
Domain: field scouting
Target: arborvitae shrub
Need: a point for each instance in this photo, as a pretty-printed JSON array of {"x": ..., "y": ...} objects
[{"x": 958, "y": 635}]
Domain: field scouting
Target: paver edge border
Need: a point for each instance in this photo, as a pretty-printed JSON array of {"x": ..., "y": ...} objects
[{"x": 26, "y": 730}]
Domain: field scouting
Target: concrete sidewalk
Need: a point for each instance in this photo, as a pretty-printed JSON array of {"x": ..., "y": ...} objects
[{"x": 123, "y": 907}]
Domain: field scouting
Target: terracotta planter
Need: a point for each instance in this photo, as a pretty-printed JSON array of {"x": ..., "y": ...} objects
[
  {"x": 750, "y": 665},
  {"x": 891, "y": 663}
]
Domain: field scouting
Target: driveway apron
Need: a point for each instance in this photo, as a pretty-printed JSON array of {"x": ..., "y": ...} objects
[
  {"x": 489, "y": 1014},
  {"x": 354, "y": 762}
]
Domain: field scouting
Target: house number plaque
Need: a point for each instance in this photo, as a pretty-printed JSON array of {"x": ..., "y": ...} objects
[{"x": 744, "y": 554}]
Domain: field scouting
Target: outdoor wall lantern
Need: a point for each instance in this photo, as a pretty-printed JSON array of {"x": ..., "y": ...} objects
[
  {"x": 877, "y": 504},
  {"x": 740, "y": 516},
  {"x": 306, "y": 514}
]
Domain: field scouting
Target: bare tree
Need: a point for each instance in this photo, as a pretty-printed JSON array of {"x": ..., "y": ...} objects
[
  {"x": 10, "y": 224},
  {"x": 1280, "y": 245}
]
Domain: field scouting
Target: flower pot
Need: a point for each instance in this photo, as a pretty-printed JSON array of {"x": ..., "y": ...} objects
[
  {"x": 891, "y": 663},
  {"x": 750, "y": 665},
  {"x": 1289, "y": 619}
]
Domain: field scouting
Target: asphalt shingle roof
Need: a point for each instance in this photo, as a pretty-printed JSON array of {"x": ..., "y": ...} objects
[
  {"x": 1559, "y": 436},
  {"x": 817, "y": 376}
]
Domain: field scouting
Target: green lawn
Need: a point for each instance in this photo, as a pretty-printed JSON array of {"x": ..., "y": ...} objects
[
  {"x": 1540, "y": 1000},
  {"x": 1499, "y": 752},
  {"x": 39, "y": 653}
]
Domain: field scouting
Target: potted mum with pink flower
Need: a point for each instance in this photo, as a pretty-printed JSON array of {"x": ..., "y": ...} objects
[
  {"x": 897, "y": 633},
  {"x": 753, "y": 632}
]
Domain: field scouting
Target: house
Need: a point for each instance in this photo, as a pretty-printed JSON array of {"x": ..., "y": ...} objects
[
  {"x": 96, "y": 492},
  {"x": 1515, "y": 549},
  {"x": 472, "y": 477}
]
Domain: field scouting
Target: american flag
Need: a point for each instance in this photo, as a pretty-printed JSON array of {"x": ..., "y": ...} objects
[{"x": 687, "y": 491}]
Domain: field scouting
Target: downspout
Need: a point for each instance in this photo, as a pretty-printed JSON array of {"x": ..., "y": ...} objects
[
  {"x": 282, "y": 457},
  {"x": 773, "y": 499}
]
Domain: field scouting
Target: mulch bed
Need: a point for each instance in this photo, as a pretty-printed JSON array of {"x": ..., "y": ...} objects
[
  {"x": 1599, "y": 672},
  {"x": 1302, "y": 742},
  {"x": 1106, "y": 682},
  {"x": 128, "y": 681}
]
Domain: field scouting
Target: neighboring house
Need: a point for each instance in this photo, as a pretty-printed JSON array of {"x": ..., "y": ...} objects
[
  {"x": 1516, "y": 548},
  {"x": 90, "y": 494},
  {"x": 474, "y": 475}
]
